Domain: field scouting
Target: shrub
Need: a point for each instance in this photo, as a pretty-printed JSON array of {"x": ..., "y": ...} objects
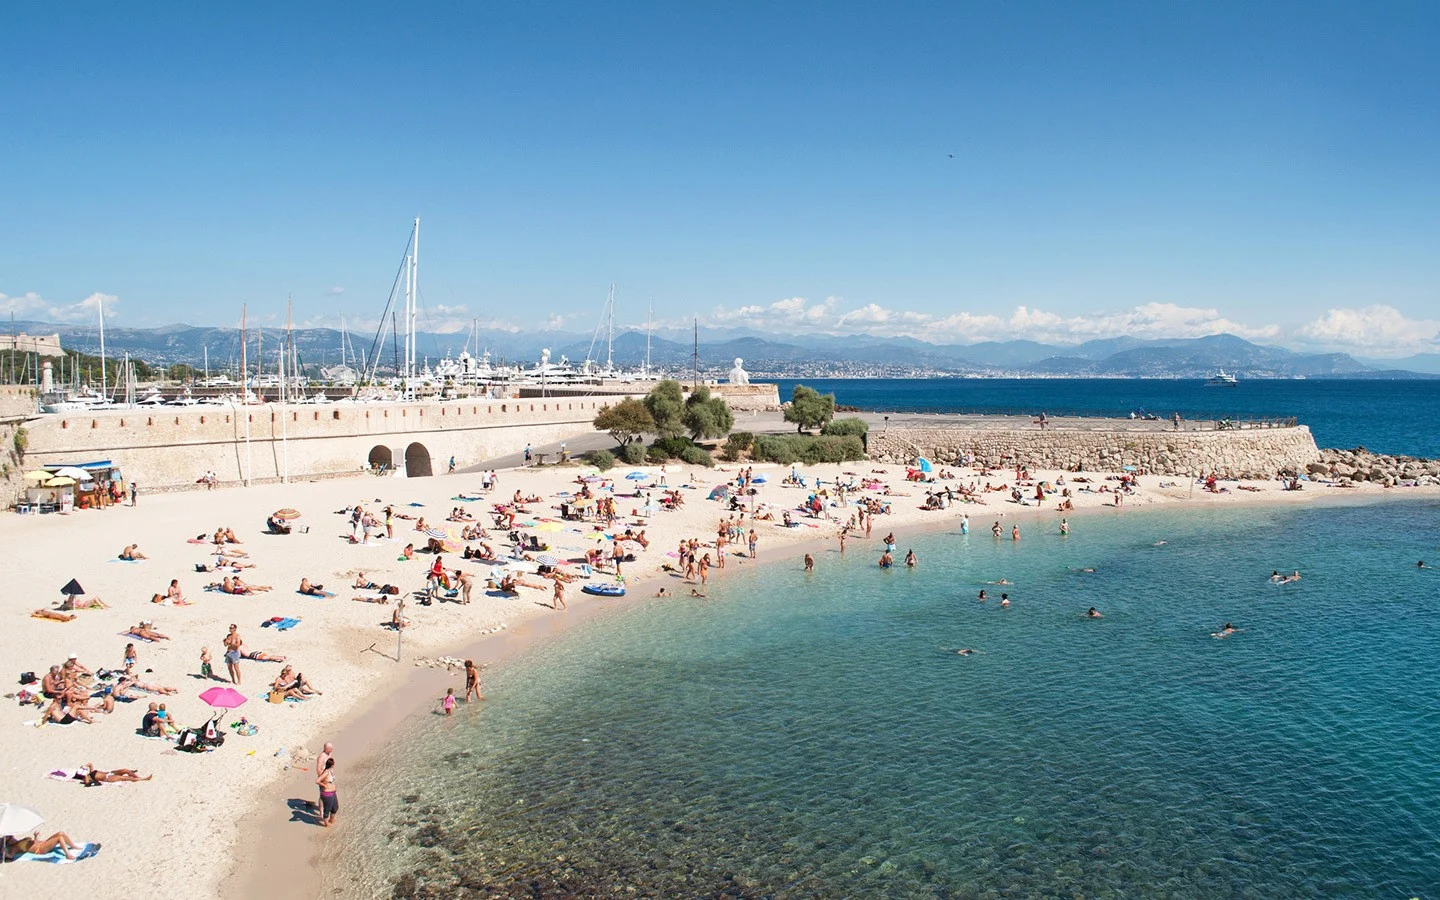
[
  {"x": 809, "y": 449},
  {"x": 697, "y": 456},
  {"x": 707, "y": 416},
  {"x": 656, "y": 455},
  {"x": 851, "y": 425},
  {"x": 633, "y": 454},
  {"x": 21, "y": 441},
  {"x": 671, "y": 447},
  {"x": 736, "y": 444},
  {"x": 600, "y": 459}
]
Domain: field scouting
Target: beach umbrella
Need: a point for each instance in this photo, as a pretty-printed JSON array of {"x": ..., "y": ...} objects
[
  {"x": 592, "y": 478},
  {"x": 17, "y": 820},
  {"x": 597, "y": 536},
  {"x": 436, "y": 533},
  {"x": 759, "y": 479},
  {"x": 74, "y": 472},
  {"x": 286, "y": 513},
  {"x": 39, "y": 476},
  {"x": 636, "y": 476},
  {"x": 924, "y": 464},
  {"x": 223, "y": 697},
  {"x": 546, "y": 559},
  {"x": 73, "y": 588},
  {"x": 62, "y": 481},
  {"x": 549, "y": 526}
]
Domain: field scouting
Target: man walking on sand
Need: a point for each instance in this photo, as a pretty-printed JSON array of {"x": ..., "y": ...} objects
[{"x": 134, "y": 490}]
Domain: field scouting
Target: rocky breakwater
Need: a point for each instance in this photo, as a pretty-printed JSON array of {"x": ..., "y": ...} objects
[
  {"x": 1103, "y": 447},
  {"x": 1349, "y": 466}
]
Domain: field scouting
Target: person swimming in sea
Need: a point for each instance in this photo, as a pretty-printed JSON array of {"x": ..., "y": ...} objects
[
  {"x": 983, "y": 596},
  {"x": 1004, "y": 601},
  {"x": 1225, "y": 631},
  {"x": 1003, "y": 581},
  {"x": 1421, "y": 565},
  {"x": 1276, "y": 577},
  {"x": 1093, "y": 613},
  {"x": 963, "y": 651}
]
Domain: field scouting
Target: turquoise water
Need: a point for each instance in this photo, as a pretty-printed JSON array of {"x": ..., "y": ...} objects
[{"x": 813, "y": 736}]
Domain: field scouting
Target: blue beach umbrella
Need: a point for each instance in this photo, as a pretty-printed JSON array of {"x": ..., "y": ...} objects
[
  {"x": 636, "y": 476},
  {"x": 925, "y": 465},
  {"x": 760, "y": 479}
]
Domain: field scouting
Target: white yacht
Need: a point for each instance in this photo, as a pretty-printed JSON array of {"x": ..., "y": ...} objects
[{"x": 1220, "y": 379}]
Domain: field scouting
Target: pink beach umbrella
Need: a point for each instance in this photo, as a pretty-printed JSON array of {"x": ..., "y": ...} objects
[{"x": 223, "y": 697}]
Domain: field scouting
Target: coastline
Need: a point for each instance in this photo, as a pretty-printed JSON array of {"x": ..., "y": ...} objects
[
  {"x": 278, "y": 862},
  {"x": 234, "y": 798}
]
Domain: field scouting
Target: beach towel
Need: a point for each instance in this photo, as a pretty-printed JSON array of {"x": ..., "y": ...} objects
[
  {"x": 317, "y": 594},
  {"x": 58, "y": 856},
  {"x": 119, "y": 560},
  {"x": 281, "y": 623},
  {"x": 135, "y": 637},
  {"x": 65, "y": 775}
]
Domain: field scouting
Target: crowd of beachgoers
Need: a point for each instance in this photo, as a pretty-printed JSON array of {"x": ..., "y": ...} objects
[{"x": 149, "y": 660}]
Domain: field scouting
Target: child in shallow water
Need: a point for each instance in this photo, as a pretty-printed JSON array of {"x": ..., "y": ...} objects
[{"x": 448, "y": 701}]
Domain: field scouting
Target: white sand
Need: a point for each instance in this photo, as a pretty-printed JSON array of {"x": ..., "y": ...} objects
[{"x": 182, "y": 831}]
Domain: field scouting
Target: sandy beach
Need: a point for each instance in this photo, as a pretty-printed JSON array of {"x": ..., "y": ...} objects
[{"x": 217, "y": 819}]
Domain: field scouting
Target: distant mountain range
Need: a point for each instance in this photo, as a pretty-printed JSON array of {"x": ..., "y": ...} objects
[{"x": 766, "y": 355}]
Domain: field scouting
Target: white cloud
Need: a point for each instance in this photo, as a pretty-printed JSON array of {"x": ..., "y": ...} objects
[
  {"x": 1151, "y": 320},
  {"x": 31, "y": 305},
  {"x": 335, "y": 291},
  {"x": 1378, "y": 330}
]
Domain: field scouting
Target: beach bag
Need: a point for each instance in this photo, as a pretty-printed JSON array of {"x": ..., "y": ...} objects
[
  {"x": 277, "y": 696},
  {"x": 27, "y": 677}
]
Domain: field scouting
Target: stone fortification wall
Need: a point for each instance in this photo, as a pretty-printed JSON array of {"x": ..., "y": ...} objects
[
  {"x": 16, "y": 401},
  {"x": 1249, "y": 453},
  {"x": 747, "y": 397},
  {"x": 169, "y": 447},
  {"x": 43, "y": 344}
]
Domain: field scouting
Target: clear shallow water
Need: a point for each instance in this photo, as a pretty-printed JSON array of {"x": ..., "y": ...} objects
[
  {"x": 810, "y": 736},
  {"x": 1384, "y": 416}
]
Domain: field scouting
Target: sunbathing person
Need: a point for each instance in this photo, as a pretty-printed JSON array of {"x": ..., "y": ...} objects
[
  {"x": 143, "y": 630},
  {"x": 51, "y": 614},
  {"x": 380, "y": 599},
  {"x": 230, "y": 537},
  {"x": 132, "y": 553},
  {"x": 363, "y": 583},
  {"x": 242, "y": 588},
  {"x": 313, "y": 590},
  {"x": 262, "y": 656},
  {"x": 95, "y": 776},
  {"x": 299, "y": 681},
  {"x": 128, "y": 680},
  {"x": 62, "y": 712},
  {"x": 398, "y": 621},
  {"x": 420, "y": 524},
  {"x": 285, "y": 687},
  {"x": 12, "y": 848}
]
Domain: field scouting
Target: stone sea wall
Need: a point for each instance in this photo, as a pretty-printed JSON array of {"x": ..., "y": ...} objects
[
  {"x": 168, "y": 448},
  {"x": 1248, "y": 453}
]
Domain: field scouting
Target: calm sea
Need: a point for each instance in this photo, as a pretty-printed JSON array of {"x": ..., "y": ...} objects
[
  {"x": 817, "y": 736},
  {"x": 1384, "y": 416}
]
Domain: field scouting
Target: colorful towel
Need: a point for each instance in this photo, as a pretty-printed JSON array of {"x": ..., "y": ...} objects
[
  {"x": 135, "y": 637},
  {"x": 317, "y": 594},
  {"x": 281, "y": 623}
]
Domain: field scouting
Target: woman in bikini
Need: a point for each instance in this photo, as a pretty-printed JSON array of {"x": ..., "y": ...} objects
[{"x": 143, "y": 630}]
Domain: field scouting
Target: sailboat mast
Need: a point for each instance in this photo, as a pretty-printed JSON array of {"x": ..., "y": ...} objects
[
  {"x": 100, "y": 304},
  {"x": 244, "y": 374},
  {"x": 610, "y": 333}
]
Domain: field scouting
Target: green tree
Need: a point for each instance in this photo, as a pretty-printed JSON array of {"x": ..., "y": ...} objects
[
  {"x": 666, "y": 403},
  {"x": 809, "y": 408},
  {"x": 625, "y": 421},
  {"x": 706, "y": 415},
  {"x": 181, "y": 372}
]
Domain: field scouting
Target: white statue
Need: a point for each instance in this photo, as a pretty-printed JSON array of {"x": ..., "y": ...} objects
[{"x": 738, "y": 375}]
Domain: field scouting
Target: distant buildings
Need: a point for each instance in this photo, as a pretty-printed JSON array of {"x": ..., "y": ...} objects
[{"x": 42, "y": 344}]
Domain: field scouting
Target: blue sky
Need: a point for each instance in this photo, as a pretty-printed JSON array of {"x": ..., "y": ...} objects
[{"x": 1159, "y": 169}]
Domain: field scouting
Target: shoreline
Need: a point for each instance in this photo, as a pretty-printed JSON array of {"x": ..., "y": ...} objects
[
  {"x": 235, "y": 798},
  {"x": 279, "y": 862}
]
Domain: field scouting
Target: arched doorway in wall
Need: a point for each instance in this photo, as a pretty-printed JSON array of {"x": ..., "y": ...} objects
[
  {"x": 417, "y": 461},
  {"x": 380, "y": 459}
]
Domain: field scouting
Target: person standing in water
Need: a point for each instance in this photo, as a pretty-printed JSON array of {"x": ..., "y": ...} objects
[
  {"x": 965, "y": 524},
  {"x": 910, "y": 559},
  {"x": 809, "y": 563},
  {"x": 1064, "y": 526},
  {"x": 1015, "y": 532}
]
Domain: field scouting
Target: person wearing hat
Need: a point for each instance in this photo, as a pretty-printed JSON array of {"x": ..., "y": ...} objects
[{"x": 73, "y": 669}]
